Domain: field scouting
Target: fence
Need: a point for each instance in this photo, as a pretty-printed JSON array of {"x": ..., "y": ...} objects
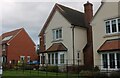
[{"x": 66, "y": 69}]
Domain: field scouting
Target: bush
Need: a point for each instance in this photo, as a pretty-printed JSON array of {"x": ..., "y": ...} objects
[
  {"x": 96, "y": 68},
  {"x": 100, "y": 75},
  {"x": 86, "y": 74},
  {"x": 93, "y": 74},
  {"x": 115, "y": 74},
  {"x": 52, "y": 68},
  {"x": 42, "y": 68}
]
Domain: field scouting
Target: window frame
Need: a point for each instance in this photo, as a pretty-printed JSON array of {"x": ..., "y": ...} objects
[
  {"x": 57, "y": 33},
  {"x": 116, "y": 67},
  {"x": 62, "y": 60},
  {"x": 111, "y": 26}
]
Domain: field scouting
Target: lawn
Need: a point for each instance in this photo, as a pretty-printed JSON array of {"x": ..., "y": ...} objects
[{"x": 36, "y": 74}]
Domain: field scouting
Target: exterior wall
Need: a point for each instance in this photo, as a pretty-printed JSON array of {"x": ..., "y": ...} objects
[
  {"x": 58, "y": 21},
  {"x": 80, "y": 43},
  {"x": 21, "y": 45},
  {"x": 107, "y": 11}
]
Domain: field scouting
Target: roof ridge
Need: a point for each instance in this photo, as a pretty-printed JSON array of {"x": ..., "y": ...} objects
[
  {"x": 68, "y": 7},
  {"x": 18, "y": 29}
]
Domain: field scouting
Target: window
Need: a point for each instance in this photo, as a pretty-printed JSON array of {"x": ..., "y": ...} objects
[
  {"x": 42, "y": 59},
  {"x": 22, "y": 58},
  {"x": 112, "y": 60},
  {"x": 44, "y": 38},
  {"x": 112, "y": 26},
  {"x": 48, "y": 58},
  {"x": 108, "y": 27},
  {"x": 56, "y": 58},
  {"x": 118, "y": 60},
  {"x": 57, "y": 34},
  {"x": 28, "y": 58},
  {"x": 62, "y": 58},
  {"x": 7, "y": 38},
  {"x": 118, "y": 25},
  {"x": 52, "y": 58},
  {"x": 3, "y": 47},
  {"x": 105, "y": 61}
]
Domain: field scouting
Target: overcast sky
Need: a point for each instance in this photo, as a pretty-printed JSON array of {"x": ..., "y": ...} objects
[{"x": 31, "y": 15}]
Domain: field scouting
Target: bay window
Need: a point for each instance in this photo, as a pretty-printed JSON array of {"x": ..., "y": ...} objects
[
  {"x": 110, "y": 60},
  {"x": 105, "y": 61},
  {"x": 62, "y": 58}
]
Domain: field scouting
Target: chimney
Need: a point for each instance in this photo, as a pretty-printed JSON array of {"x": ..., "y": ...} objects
[{"x": 88, "y": 9}]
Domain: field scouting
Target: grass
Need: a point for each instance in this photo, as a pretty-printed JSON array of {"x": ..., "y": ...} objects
[{"x": 35, "y": 74}]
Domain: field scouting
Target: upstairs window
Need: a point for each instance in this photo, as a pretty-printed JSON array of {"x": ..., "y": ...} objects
[
  {"x": 57, "y": 34},
  {"x": 119, "y": 25},
  {"x": 7, "y": 38},
  {"x": 108, "y": 27},
  {"x": 112, "y": 26}
]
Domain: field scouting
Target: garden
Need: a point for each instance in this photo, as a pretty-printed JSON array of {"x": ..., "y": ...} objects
[{"x": 34, "y": 71}]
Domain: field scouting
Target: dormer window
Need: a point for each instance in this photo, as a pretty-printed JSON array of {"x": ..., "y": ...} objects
[
  {"x": 57, "y": 34},
  {"x": 113, "y": 26}
]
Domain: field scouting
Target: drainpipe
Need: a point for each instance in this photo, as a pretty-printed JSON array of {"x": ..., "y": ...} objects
[{"x": 73, "y": 26}]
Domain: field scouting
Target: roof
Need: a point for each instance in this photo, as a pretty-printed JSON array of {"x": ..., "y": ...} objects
[
  {"x": 55, "y": 47},
  {"x": 73, "y": 16},
  {"x": 110, "y": 45},
  {"x": 9, "y": 35}
]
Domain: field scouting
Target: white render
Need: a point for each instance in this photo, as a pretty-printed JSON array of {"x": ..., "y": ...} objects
[
  {"x": 58, "y": 21},
  {"x": 107, "y": 11}
]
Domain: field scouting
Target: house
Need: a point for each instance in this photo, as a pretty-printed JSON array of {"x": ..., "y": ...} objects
[
  {"x": 0, "y": 51},
  {"x": 66, "y": 37},
  {"x": 106, "y": 36},
  {"x": 17, "y": 46}
]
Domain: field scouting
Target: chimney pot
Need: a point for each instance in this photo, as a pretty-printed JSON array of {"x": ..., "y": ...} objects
[{"x": 88, "y": 9}]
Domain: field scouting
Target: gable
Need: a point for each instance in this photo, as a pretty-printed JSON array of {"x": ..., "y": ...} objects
[
  {"x": 74, "y": 17},
  {"x": 106, "y": 11},
  {"x": 10, "y": 35},
  {"x": 23, "y": 37}
]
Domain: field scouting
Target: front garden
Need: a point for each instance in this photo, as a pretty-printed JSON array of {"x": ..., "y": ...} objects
[{"x": 34, "y": 71}]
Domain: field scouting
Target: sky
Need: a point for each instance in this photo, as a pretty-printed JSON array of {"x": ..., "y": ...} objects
[{"x": 32, "y": 14}]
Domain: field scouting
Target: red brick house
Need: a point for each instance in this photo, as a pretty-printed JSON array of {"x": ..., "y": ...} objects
[{"x": 17, "y": 46}]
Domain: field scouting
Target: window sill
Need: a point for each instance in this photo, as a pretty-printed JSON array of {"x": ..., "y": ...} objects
[
  {"x": 111, "y": 35},
  {"x": 57, "y": 40}
]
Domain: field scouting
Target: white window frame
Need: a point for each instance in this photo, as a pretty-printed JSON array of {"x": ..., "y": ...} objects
[
  {"x": 62, "y": 58},
  {"x": 28, "y": 58},
  {"x": 108, "y": 61},
  {"x": 22, "y": 57},
  {"x": 110, "y": 20},
  {"x": 55, "y": 34}
]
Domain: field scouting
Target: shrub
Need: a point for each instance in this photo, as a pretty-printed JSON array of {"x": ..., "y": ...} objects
[
  {"x": 115, "y": 74},
  {"x": 52, "y": 68},
  {"x": 100, "y": 75},
  {"x": 96, "y": 68},
  {"x": 86, "y": 73},
  {"x": 93, "y": 74},
  {"x": 42, "y": 68}
]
